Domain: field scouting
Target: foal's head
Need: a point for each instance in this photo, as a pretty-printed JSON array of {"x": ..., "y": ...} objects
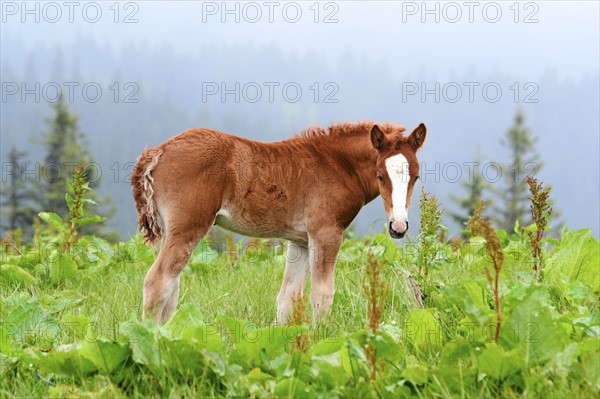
[{"x": 397, "y": 171}]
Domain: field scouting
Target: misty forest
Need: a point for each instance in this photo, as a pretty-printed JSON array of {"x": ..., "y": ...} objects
[{"x": 493, "y": 292}]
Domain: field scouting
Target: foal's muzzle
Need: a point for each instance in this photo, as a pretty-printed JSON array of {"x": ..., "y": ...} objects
[{"x": 396, "y": 234}]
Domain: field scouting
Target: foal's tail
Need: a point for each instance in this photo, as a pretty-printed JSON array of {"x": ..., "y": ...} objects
[{"x": 149, "y": 220}]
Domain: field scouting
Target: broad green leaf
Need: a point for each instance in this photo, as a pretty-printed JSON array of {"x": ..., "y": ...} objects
[
  {"x": 135, "y": 251},
  {"x": 143, "y": 341},
  {"x": 563, "y": 362},
  {"x": 325, "y": 346},
  {"x": 187, "y": 324},
  {"x": 517, "y": 256},
  {"x": 89, "y": 220},
  {"x": 383, "y": 246},
  {"x": 497, "y": 363},
  {"x": 286, "y": 364},
  {"x": 354, "y": 360},
  {"x": 293, "y": 388},
  {"x": 271, "y": 340},
  {"x": 589, "y": 366},
  {"x": 534, "y": 328},
  {"x": 92, "y": 250},
  {"x": 476, "y": 292},
  {"x": 257, "y": 376},
  {"x": 31, "y": 324},
  {"x": 580, "y": 294},
  {"x": 386, "y": 347},
  {"x": 328, "y": 368},
  {"x": 237, "y": 329},
  {"x": 259, "y": 383},
  {"x": 532, "y": 228},
  {"x": 458, "y": 350},
  {"x": 69, "y": 186},
  {"x": 64, "y": 299},
  {"x": 205, "y": 336},
  {"x": 55, "y": 221},
  {"x": 589, "y": 324},
  {"x": 70, "y": 201},
  {"x": 417, "y": 374},
  {"x": 66, "y": 360},
  {"x": 181, "y": 357},
  {"x": 250, "y": 342},
  {"x": 7, "y": 342},
  {"x": 62, "y": 268},
  {"x": 105, "y": 355},
  {"x": 218, "y": 364},
  {"x": 477, "y": 240},
  {"x": 77, "y": 326},
  {"x": 15, "y": 274},
  {"x": 422, "y": 328},
  {"x": 186, "y": 316},
  {"x": 577, "y": 258}
]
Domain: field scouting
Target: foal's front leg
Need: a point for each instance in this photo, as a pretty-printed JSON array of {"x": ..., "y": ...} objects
[
  {"x": 324, "y": 247},
  {"x": 296, "y": 269}
]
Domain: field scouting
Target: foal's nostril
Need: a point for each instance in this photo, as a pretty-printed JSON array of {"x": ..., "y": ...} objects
[{"x": 407, "y": 225}]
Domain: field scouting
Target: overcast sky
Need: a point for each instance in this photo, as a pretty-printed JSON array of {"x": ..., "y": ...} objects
[{"x": 561, "y": 36}]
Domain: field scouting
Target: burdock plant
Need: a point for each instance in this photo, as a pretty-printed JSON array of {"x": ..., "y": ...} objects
[
  {"x": 540, "y": 214},
  {"x": 483, "y": 228}
]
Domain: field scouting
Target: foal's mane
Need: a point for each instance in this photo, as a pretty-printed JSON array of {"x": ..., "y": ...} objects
[{"x": 347, "y": 129}]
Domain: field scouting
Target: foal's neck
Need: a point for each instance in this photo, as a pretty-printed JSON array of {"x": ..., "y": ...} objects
[{"x": 358, "y": 153}]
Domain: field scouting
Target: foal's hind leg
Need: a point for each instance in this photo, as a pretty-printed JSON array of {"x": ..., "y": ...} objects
[{"x": 161, "y": 285}]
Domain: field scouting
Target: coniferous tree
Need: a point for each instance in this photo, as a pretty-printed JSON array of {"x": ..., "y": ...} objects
[
  {"x": 64, "y": 151},
  {"x": 17, "y": 212},
  {"x": 474, "y": 188},
  {"x": 513, "y": 197}
]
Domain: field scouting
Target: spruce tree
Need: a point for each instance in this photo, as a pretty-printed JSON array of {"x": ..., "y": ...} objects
[
  {"x": 513, "y": 197},
  {"x": 474, "y": 187},
  {"x": 16, "y": 196},
  {"x": 64, "y": 151}
]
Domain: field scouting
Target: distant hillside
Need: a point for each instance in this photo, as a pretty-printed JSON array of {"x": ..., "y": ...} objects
[{"x": 150, "y": 94}]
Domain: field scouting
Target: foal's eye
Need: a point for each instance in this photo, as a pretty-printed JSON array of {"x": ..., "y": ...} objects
[{"x": 380, "y": 177}]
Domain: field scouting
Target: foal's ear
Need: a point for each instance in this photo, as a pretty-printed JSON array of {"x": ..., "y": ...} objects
[
  {"x": 417, "y": 137},
  {"x": 378, "y": 138}
]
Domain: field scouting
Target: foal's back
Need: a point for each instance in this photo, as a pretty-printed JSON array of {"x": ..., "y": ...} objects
[{"x": 253, "y": 188}]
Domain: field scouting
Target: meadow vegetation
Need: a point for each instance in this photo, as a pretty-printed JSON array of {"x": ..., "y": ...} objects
[{"x": 500, "y": 314}]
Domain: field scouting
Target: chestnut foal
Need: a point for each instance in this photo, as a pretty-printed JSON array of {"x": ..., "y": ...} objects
[{"x": 306, "y": 189}]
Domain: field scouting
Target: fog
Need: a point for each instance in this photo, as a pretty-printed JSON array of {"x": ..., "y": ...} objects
[{"x": 463, "y": 68}]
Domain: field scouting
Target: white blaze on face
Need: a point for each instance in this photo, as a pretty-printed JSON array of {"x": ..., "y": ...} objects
[{"x": 397, "y": 168}]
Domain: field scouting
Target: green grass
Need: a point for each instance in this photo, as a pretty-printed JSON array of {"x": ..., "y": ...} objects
[{"x": 102, "y": 300}]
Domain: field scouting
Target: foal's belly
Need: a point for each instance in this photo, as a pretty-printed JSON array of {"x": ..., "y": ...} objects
[{"x": 264, "y": 226}]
